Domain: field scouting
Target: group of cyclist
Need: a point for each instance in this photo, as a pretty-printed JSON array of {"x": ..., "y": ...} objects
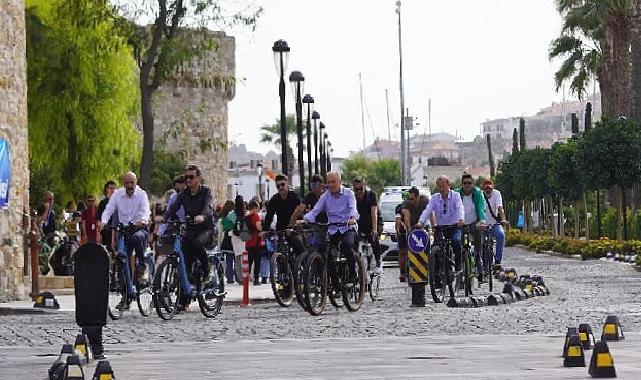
[
  {"x": 451, "y": 211},
  {"x": 347, "y": 211}
]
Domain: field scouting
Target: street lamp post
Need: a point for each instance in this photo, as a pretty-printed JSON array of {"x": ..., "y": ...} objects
[
  {"x": 315, "y": 117},
  {"x": 402, "y": 95},
  {"x": 259, "y": 171},
  {"x": 309, "y": 100},
  {"x": 330, "y": 153},
  {"x": 297, "y": 81},
  {"x": 323, "y": 138},
  {"x": 281, "y": 58}
]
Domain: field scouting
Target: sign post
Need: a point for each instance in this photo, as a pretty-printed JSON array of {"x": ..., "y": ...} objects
[{"x": 418, "y": 243}]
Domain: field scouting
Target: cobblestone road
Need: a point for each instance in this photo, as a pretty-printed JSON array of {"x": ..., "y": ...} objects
[{"x": 581, "y": 292}]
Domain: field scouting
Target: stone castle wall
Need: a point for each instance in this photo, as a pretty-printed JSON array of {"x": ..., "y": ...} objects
[
  {"x": 13, "y": 128},
  {"x": 190, "y": 111}
]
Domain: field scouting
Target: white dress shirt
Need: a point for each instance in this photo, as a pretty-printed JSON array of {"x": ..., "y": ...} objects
[{"x": 134, "y": 208}]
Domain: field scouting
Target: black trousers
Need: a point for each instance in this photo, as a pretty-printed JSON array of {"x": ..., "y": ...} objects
[
  {"x": 255, "y": 254},
  {"x": 347, "y": 240},
  {"x": 376, "y": 246},
  {"x": 194, "y": 245}
]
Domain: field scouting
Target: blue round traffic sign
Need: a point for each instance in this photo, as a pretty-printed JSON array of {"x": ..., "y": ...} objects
[{"x": 418, "y": 240}]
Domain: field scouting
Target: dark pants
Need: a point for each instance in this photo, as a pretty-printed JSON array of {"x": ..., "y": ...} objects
[
  {"x": 137, "y": 242},
  {"x": 255, "y": 254},
  {"x": 346, "y": 240},
  {"x": 105, "y": 237},
  {"x": 296, "y": 243},
  {"x": 376, "y": 247},
  {"x": 194, "y": 245},
  {"x": 230, "y": 272},
  {"x": 453, "y": 233}
]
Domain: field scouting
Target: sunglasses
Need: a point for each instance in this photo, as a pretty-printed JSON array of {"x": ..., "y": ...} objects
[
  {"x": 467, "y": 183},
  {"x": 190, "y": 176},
  {"x": 282, "y": 184},
  {"x": 358, "y": 189}
]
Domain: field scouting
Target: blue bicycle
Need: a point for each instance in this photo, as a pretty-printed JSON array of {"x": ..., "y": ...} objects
[
  {"x": 122, "y": 289},
  {"x": 172, "y": 285}
]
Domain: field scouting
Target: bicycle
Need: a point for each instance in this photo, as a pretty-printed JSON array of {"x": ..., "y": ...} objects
[
  {"x": 172, "y": 283},
  {"x": 369, "y": 263},
  {"x": 285, "y": 268},
  {"x": 122, "y": 290},
  {"x": 487, "y": 254},
  {"x": 469, "y": 269},
  {"x": 441, "y": 266},
  {"x": 315, "y": 278}
]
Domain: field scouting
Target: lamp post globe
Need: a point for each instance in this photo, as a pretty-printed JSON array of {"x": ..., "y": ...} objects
[
  {"x": 297, "y": 81},
  {"x": 281, "y": 59}
]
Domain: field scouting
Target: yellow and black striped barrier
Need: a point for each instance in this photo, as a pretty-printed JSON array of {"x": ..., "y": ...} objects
[{"x": 419, "y": 269}]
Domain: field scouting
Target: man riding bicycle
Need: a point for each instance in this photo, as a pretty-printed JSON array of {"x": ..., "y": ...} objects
[
  {"x": 283, "y": 205},
  {"x": 132, "y": 206},
  {"x": 367, "y": 207},
  {"x": 340, "y": 205},
  {"x": 495, "y": 217},
  {"x": 446, "y": 213},
  {"x": 474, "y": 207},
  {"x": 411, "y": 211},
  {"x": 196, "y": 200}
]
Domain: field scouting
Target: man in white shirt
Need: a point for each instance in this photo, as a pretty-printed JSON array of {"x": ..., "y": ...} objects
[
  {"x": 495, "y": 217},
  {"x": 132, "y": 205}
]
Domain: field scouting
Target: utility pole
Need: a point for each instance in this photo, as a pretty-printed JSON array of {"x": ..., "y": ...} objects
[{"x": 400, "y": 61}]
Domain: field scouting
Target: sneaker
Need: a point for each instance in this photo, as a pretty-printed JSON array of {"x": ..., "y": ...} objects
[
  {"x": 264, "y": 280},
  {"x": 256, "y": 283},
  {"x": 401, "y": 279},
  {"x": 480, "y": 278},
  {"x": 497, "y": 266},
  {"x": 378, "y": 271},
  {"x": 123, "y": 305}
]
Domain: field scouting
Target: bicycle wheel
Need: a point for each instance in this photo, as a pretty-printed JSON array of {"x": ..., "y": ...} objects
[
  {"x": 437, "y": 279},
  {"x": 144, "y": 298},
  {"x": 117, "y": 290},
  {"x": 335, "y": 291},
  {"x": 488, "y": 258},
  {"x": 374, "y": 286},
  {"x": 166, "y": 289},
  {"x": 468, "y": 275},
  {"x": 354, "y": 286},
  {"x": 315, "y": 284},
  {"x": 299, "y": 267},
  {"x": 282, "y": 279},
  {"x": 210, "y": 300}
]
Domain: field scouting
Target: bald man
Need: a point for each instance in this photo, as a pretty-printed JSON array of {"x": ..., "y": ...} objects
[{"x": 132, "y": 205}]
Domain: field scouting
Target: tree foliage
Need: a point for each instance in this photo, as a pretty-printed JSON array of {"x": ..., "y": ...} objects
[
  {"x": 82, "y": 98},
  {"x": 377, "y": 174}
]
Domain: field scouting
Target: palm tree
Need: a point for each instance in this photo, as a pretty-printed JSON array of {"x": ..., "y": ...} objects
[
  {"x": 595, "y": 42},
  {"x": 270, "y": 133}
]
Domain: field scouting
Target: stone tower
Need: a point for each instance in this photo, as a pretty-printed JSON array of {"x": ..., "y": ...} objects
[
  {"x": 13, "y": 129},
  {"x": 190, "y": 110}
]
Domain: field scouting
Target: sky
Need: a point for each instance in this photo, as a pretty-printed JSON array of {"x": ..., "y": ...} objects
[{"x": 475, "y": 60}]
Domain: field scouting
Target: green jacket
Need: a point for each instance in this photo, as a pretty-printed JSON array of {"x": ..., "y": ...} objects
[{"x": 479, "y": 201}]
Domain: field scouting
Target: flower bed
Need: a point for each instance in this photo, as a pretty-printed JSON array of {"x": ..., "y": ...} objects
[{"x": 588, "y": 249}]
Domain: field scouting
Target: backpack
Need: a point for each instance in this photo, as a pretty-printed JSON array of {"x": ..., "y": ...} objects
[{"x": 242, "y": 229}]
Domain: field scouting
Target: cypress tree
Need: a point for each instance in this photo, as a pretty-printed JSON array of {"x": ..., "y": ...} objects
[
  {"x": 575, "y": 126},
  {"x": 522, "y": 134},
  {"x": 588, "y": 117},
  {"x": 515, "y": 141},
  {"x": 490, "y": 156}
]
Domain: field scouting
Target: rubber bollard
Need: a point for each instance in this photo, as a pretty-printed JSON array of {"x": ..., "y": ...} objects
[
  {"x": 245, "y": 266},
  {"x": 418, "y": 295},
  {"x": 612, "y": 329},
  {"x": 602, "y": 362},
  {"x": 575, "y": 356},
  {"x": 571, "y": 331},
  {"x": 586, "y": 336}
]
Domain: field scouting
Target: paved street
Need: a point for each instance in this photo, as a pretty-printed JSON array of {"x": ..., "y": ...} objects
[{"x": 258, "y": 340}]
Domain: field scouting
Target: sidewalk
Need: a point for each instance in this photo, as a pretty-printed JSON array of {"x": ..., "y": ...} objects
[{"x": 257, "y": 294}]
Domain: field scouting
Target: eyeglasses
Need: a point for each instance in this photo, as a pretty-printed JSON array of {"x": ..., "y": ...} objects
[
  {"x": 190, "y": 176},
  {"x": 282, "y": 184},
  {"x": 467, "y": 183}
]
